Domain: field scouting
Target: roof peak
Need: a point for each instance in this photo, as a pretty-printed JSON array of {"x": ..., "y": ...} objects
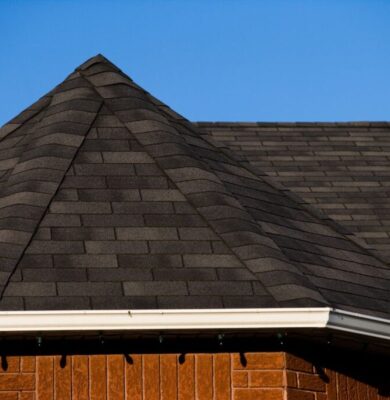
[
  {"x": 98, "y": 58},
  {"x": 103, "y": 177}
]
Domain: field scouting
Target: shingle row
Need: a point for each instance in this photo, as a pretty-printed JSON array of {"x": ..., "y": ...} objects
[{"x": 341, "y": 169}]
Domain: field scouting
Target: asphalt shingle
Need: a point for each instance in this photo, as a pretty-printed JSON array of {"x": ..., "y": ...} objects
[{"x": 109, "y": 199}]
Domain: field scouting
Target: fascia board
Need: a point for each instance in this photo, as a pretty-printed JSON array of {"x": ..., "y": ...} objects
[
  {"x": 138, "y": 320},
  {"x": 360, "y": 324},
  {"x": 197, "y": 319}
]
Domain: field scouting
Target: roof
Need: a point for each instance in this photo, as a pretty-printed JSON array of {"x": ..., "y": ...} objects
[
  {"x": 109, "y": 199},
  {"x": 341, "y": 169}
]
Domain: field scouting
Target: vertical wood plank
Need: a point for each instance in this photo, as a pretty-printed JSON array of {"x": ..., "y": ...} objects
[
  {"x": 62, "y": 379},
  {"x": 204, "y": 377},
  {"x": 80, "y": 378},
  {"x": 168, "y": 376},
  {"x": 222, "y": 377},
  {"x": 133, "y": 372},
  {"x": 98, "y": 377},
  {"x": 186, "y": 378},
  {"x": 45, "y": 378},
  {"x": 151, "y": 374},
  {"x": 115, "y": 377}
]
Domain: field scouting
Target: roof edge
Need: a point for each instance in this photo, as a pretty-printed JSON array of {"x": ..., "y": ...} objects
[
  {"x": 194, "y": 319},
  {"x": 163, "y": 320},
  {"x": 360, "y": 324}
]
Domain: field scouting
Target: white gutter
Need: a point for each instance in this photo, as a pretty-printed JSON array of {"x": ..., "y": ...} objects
[
  {"x": 360, "y": 324},
  {"x": 206, "y": 319}
]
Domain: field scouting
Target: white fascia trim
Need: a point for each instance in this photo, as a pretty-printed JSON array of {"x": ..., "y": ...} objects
[
  {"x": 360, "y": 324},
  {"x": 199, "y": 319},
  {"x": 138, "y": 320}
]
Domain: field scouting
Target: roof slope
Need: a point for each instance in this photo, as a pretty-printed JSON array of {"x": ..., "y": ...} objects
[
  {"x": 340, "y": 168},
  {"x": 109, "y": 199}
]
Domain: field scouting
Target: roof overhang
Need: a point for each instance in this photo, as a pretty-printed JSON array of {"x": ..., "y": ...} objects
[{"x": 190, "y": 320}]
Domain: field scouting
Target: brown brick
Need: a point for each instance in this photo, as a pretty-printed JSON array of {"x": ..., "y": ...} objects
[
  {"x": 186, "y": 381},
  {"x": 291, "y": 379},
  {"x": 222, "y": 377},
  {"x": 9, "y": 395},
  {"x": 311, "y": 382},
  {"x": 260, "y": 361},
  {"x": 45, "y": 378},
  {"x": 342, "y": 386},
  {"x": 134, "y": 378},
  {"x": 332, "y": 385},
  {"x": 266, "y": 378},
  {"x": 168, "y": 376},
  {"x": 239, "y": 379},
  {"x": 27, "y": 396},
  {"x": 27, "y": 364},
  {"x": 204, "y": 376},
  {"x": 296, "y": 394},
  {"x": 80, "y": 378},
  {"x": 62, "y": 378},
  {"x": 263, "y": 394},
  {"x": 13, "y": 364},
  {"x": 371, "y": 393},
  {"x": 151, "y": 373},
  {"x": 115, "y": 377},
  {"x": 296, "y": 363},
  {"x": 10, "y": 381},
  {"x": 352, "y": 388}
]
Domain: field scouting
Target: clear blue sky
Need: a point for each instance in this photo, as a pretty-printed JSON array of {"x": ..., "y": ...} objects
[{"x": 209, "y": 60}]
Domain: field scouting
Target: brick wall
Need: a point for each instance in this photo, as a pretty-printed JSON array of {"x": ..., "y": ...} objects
[
  {"x": 309, "y": 381},
  {"x": 223, "y": 376},
  {"x": 258, "y": 376},
  {"x": 17, "y": 378}
]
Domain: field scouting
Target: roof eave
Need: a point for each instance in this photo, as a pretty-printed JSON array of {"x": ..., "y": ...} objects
[{"x": 194, "y": 319}]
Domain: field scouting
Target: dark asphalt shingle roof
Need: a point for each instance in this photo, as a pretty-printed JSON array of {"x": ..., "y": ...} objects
[
  {"x": 109, "y": 199},
  {"x": 342, "y": 169}
]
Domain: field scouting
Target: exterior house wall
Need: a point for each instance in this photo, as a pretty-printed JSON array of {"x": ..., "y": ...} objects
[{"x": 222, "y": 376}]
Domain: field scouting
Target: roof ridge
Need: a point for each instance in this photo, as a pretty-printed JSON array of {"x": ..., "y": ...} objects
[
  {"x": 175, "y": 183},
  {"x": 170, "y": 179},
  {"x": 180, "y": 140},
  {"x": 17, "y": 238}
]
